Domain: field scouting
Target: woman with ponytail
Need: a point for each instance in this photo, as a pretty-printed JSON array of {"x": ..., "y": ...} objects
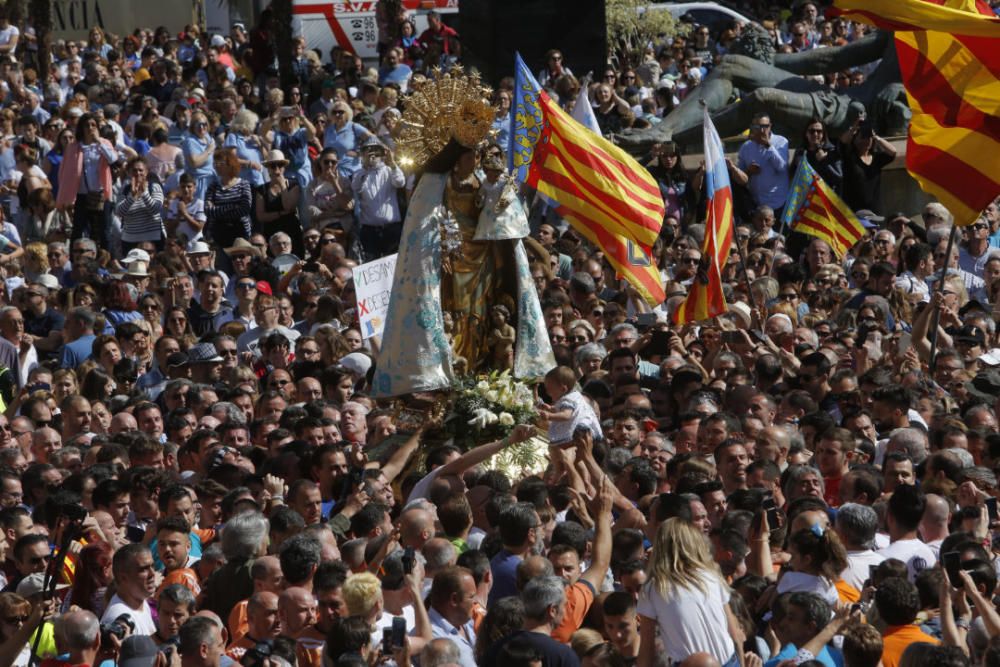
[{"x": 817, "y": 559}]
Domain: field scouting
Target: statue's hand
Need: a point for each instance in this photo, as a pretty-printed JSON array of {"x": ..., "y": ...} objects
[{"x": 446, "y": 267}]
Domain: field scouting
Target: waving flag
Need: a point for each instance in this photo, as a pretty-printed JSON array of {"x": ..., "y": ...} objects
[
  {"x": 949, "y": 57},
  {"x": 814, "y": 208},
  {"x": 705, "y": 298},
  {"x": 605, "y": 194}
]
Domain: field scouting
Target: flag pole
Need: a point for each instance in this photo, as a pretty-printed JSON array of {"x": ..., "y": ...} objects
[
  {"x": 936, "y": 315},
  {"x": 746, "y": 278}
]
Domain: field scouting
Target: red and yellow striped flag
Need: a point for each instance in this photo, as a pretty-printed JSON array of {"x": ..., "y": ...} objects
[
  {"x": 949, "y": 57},
  {"x": 602, "y": 191},
  {"x": 814, "y": 208}
]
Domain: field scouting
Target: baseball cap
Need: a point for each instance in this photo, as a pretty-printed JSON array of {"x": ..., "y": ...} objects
[
  {"x": 34, "y": 584},
  {"x": 868, "y": 214},
  {"x": 357, "y": 362},
  {"x": 47, "y": 280},
  {"x": 970, "y": 334},
  {"x": 137, "y": 651},
  {"x": 217, "y": 41},
  {"x": 264, "y": 287},
  {"x": 177, "y": 360}
]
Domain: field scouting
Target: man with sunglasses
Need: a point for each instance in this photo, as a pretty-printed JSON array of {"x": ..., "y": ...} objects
[
  {"x": 762, "y": 165},
  {"x": 976, "y": 250}
]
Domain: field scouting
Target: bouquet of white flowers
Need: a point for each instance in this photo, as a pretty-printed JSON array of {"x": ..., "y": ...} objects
[{"x": 486, "y": 408}]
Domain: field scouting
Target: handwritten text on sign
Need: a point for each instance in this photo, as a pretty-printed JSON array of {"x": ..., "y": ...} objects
[{"x": 373, "y": 285}]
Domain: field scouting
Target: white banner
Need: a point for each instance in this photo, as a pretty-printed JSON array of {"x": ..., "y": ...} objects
[{"x": 373, "y": 285}]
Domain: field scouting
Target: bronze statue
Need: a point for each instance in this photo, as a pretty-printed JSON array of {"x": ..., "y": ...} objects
[{"x": 780, "y": 90}]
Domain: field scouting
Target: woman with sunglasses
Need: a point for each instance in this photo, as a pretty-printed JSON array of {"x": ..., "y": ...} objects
[
  {"x": 290, "y": 132},
  {"x": 199, "y": 147},
  {"x": 330, "y": 200},
  {"x": 554, "y": 68},
  {"x": 151, "y": 307},
  {"x": 177, "y": 325},
  {"x": 680, "y": 193},
  {"x": 345, "y": 136},
  {"x": 823, "y": 155}
]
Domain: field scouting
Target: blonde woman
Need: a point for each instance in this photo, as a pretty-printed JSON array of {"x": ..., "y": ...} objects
[
  {"x": 35, "y": 261},
  {"x": 249, "y": 147},
  {"x": 199, "y": 147},
  {"x": 64, "y": 383},
  {"x": 345, "y": 136},
  {"x": 687, "y": 598}
]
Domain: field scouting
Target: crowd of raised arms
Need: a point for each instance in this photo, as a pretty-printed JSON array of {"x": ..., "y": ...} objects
[{"x": 195, "y": 468}]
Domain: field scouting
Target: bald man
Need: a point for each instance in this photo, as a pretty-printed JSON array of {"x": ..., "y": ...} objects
[
  {"x": 934, "y": 523},
  {"x": 266, "y": 575},
  {"x": 773, "y": 444},
  {"x": 78, "y": 633},
  {"x": 296, "y": 611},
  {"x": 416, "y": 527},
  {"x": 123, "y": 421},
  {"x": 262, "y": 624}
]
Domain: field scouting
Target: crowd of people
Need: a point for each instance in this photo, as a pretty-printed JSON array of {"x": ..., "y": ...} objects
[{"x": 195, "y": 470}]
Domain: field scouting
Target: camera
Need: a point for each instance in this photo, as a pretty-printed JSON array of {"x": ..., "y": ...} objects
[
  {"x": 118, "y": 627},
  {"x": 256, "y": 656},
  {"x": 409, "y": 558}
]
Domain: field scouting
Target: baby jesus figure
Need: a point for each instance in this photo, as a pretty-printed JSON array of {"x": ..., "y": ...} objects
[{"x": 501, "y": 338}]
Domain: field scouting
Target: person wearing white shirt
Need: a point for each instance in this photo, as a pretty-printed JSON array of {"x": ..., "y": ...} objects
[
  {"x": 904, "y": 513},
  {"x": 375, "y": 188},
  {"x": 856, "y": 525},
  {"x": 919, "y": 262},
  {"x": 135, "y": 583}
]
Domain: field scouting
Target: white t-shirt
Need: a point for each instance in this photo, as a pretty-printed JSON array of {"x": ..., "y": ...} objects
[
  {"x": 196, "y": 209},
  {"x": 858, "y": 564},
  {"x": 691, "y": 621},
  {"x": 8, "y": 34},
  {"x": 802, "y": 582},
  {"x": 583, "y": 415},
  {"x": 917, "y": 555},
  {"x": 143, "y": 618}
]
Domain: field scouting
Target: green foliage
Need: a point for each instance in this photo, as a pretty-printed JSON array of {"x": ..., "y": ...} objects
[{"x": 632, "y": 27}]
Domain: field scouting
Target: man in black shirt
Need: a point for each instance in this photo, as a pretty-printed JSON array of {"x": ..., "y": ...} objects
[{"x": 544, "y": 605}]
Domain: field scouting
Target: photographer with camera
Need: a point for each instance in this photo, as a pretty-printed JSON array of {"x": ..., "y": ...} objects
[{"x": 135, "y": 582}]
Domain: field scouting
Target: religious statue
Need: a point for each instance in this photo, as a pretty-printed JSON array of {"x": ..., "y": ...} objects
[
  {"x": 763, "y": 81},
  {"x": 501, "y": 338},
  {"x": 461, "y": 254}
]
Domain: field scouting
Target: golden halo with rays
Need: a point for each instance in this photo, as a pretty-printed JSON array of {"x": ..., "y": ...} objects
[{"x": 452, "y": 105}]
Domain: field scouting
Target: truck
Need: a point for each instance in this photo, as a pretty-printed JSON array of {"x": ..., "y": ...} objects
[{"x": 351, "y": 25}]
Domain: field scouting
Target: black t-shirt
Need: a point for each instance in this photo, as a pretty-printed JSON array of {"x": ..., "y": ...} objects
[
  {"x": 863, "y": 182},
  {"x": 553, "y": 653}
]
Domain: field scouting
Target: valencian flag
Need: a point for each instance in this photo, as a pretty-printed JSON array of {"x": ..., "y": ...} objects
[
  {"x": 705, "y": 298},
  {"x": 814, "y": 208},
  {"x": 605, "y": 194},
  {"x": 949, "y": 57}
]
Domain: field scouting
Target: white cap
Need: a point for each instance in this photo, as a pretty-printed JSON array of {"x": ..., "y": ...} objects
[
  {"x": 136, "y": 254},
  {"x": 991, "y": 357},
  {"x": 357, "y": 362},
  {"x": 217, "y": 41},
  {"x": 198, "y": 248}
]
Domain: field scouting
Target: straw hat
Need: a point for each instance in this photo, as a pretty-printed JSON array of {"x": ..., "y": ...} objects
[
  {"x": 275, "y": 156},
  {"x": 242, "y": 246}
]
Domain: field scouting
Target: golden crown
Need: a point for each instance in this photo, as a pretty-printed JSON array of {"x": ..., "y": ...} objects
[{"x": 452, "y": 105}]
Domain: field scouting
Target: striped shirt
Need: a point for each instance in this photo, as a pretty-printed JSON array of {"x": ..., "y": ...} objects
[
  {"x": 230, "y": 207},
  {"x": 142, "y": 216}
]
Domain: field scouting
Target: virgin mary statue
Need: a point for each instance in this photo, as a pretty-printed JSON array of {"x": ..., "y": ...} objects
[{"x": 461, "y": 258}]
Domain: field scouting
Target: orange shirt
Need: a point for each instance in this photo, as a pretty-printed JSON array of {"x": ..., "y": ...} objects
[
  {"x": 184, "y": 576},
  {"x": 237, "y": 622},
  {"x": 896, "y": 638},
  {"x": 309, "y": 647},
  {"x": 579, "y": 597},
  {"x": 846, "y": 592}
]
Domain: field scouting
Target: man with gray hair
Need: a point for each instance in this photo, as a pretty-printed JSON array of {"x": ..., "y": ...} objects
[
  {"x": 910, "y": 441},
  {"x": 78, "y": 633},
  {"x": 201, "y": 642},
  {"x": 856, "y": 525},
  {"x": 439, "y": 652},
  {"x": 544, "y": 601},
  {"x": 243, "y": 540}
]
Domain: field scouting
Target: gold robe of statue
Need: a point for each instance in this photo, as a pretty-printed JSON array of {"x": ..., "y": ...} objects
[{"x": 477, "y": 277}]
